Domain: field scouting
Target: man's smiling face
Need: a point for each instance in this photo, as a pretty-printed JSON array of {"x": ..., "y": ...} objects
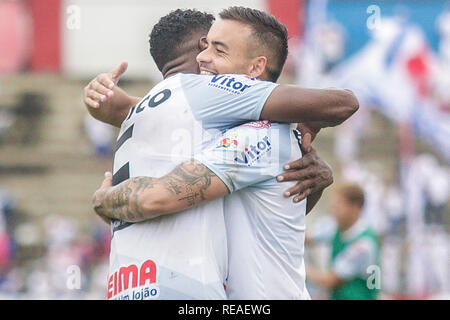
[{"x": 228, "y": 49}]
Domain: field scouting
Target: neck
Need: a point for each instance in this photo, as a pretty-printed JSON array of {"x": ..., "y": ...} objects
[
  {"x": 348, "y": 224},
  {"x": 181, "y": 64}
]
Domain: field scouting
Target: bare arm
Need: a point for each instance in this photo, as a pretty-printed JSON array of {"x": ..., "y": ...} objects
[
  {"x": 142, "y": 198},
  {"x": 325, "y": 107}
]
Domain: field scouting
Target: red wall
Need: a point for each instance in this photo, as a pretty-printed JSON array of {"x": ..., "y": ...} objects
[
  {"x": 290, "y": 12},
  {"x": 15, "y": 36},
  {"x": 46, "y": 35},
  {"x": 46, "y": 41}
]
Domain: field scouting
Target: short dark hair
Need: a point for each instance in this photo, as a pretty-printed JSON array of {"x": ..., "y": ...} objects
[
  {"x": 269, "y": 32},
  {"x": 173, "y": 30},
  {"x": 352, "y": 193}
]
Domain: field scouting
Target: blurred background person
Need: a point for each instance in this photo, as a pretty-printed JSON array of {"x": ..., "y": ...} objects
[
  {"x": 5, "y": 245},
  {"x": 101, "y": 136},
  {"x": 354, "y": 250}
]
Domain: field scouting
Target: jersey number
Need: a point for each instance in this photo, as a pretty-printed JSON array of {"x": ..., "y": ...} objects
[{"x": 153, "y": 101}]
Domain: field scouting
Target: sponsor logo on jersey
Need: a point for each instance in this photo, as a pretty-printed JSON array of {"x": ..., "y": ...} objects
[
  {"x": 228, "y": 140},
  {"x": 228, "y": 83},
  {"x": 257, "y": 124},
  {"x": 225, "y": 143},
  {"x": 253, "y": 153},
  {"x": 133, "y": 282}
]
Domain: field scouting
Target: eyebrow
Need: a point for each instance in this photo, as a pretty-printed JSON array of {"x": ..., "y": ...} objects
[{"x": 218, "y": 43}]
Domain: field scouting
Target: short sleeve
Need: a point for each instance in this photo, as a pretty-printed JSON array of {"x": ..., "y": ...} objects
[
  {"x": 247, "y": 154},
  {"x": 354, "y": 261},
  {"x": 226, "y": 100}
]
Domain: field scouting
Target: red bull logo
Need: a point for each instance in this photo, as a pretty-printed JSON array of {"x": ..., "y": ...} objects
[{"x": 227, "y": 142}]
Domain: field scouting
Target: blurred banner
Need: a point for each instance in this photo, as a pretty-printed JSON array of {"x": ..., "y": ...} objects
[
  {"x": 397, "y": 59},
  {"x": 15, "y": 36}
]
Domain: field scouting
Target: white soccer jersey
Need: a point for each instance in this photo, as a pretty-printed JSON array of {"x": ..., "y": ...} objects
[
  {"x": 184, "y": 255},
  {"x": 265, "y": 230}
]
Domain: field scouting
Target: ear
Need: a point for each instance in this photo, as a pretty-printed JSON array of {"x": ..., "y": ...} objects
[
  {"x": 258, "y": 67},
  {"x": 202, "y": 43}
]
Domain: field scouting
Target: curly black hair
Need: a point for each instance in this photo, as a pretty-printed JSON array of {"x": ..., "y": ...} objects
[{"x": 173, "y": 30}]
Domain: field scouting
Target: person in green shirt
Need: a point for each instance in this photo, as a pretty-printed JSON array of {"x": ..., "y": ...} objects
[{"x": 353, "y": 270}]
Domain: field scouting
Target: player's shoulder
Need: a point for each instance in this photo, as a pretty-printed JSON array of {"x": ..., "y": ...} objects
[
  {"x": 219, "y": 77},
  {"x": 232, "y": 83}
]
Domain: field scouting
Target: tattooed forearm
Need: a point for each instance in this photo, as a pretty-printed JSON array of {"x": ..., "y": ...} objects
[
  {"x": 122, "y": 201},
  {"x": 141, "y": 198},
  {"x": 189, "y": 176}
]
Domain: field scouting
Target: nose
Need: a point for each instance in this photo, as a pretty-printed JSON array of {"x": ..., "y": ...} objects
[{"x": 204, "y": 57}]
